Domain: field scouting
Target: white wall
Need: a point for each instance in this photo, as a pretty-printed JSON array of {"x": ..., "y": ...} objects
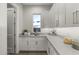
[
  {"x": 27, "y": 15},
  {"x": 3, "y": 28},
  {"x": 19, "y": 22}
]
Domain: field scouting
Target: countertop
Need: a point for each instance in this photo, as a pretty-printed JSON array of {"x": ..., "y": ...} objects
[{"x": 62, "y": 49}]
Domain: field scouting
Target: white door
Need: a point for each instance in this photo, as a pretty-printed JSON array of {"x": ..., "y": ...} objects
[{"x": 11, "y": 30}]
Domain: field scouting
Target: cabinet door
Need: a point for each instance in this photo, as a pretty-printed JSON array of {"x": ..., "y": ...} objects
[
  {"x": 48, "y": 48},
  {"x": 32, "y": 43},
  {"x": 41, "y": 44},
  {"x": 20, "y": 43},
  {"x": 51, "y": 50},
  {"x": 23, "y": 44},
  {"x": 70, "y": 8},
  {"x": 48, "y": 51}
]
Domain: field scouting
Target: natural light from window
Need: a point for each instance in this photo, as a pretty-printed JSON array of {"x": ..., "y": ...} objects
[{"x": 36, "y": 23}]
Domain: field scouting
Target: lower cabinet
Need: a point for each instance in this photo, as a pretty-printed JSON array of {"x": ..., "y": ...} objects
[
  {"x": 33, "y": 44},
  {"x": 36, "y": 44},
  {"x": 41, "y": 44},
  {"x": 51, "y": 50},
  {"x": 23, "y": 44}
]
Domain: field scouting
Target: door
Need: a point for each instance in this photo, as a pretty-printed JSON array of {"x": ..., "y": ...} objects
[
  {"x": 32, "y": 43},
  {"x": 41, "y": 44},
  {"x": 11, "y": 30}
]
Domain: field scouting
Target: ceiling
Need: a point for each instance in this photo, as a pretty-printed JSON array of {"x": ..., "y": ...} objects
[{"x": 37, "y": 4}]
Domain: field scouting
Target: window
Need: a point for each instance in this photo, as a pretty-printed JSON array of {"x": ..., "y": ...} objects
[{"x": 36, "y": 22}]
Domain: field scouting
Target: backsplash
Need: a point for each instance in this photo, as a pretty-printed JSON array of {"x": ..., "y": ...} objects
[
  {"x": 68, "y": 32},
  {"x": 46, "y": 30}
]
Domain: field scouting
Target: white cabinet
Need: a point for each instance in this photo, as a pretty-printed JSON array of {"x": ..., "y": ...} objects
[
  {"x": 23, "y": 43},
  {"x": 48, "y": 49},
  {"x": 62, "y": 15},
  {"x": 51, "y": 50},
  {"x": 33, "y": 44},
  {"x": 70, "y": 14},
  {"x": 57, "y": 15},
  {"x": 41, "y": 43}
]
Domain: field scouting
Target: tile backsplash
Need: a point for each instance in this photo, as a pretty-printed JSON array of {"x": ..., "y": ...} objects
[
  {"x": 68, "y": 32},
  {"x": 46, "y": 30}
]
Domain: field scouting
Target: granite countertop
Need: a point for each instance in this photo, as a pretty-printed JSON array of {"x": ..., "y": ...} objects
[{"x": 62, "y": 49}]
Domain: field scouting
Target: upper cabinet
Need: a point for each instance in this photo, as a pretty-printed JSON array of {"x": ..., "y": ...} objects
[
  {"x": 60, "y": 15},
  {"x": 57, "y": 15},
  {"x": 52, "y": 16},
  {"x": 72, "y": 14},
  {"x": 70, "y": 8},
  {"x": 64, "y": 15}
]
